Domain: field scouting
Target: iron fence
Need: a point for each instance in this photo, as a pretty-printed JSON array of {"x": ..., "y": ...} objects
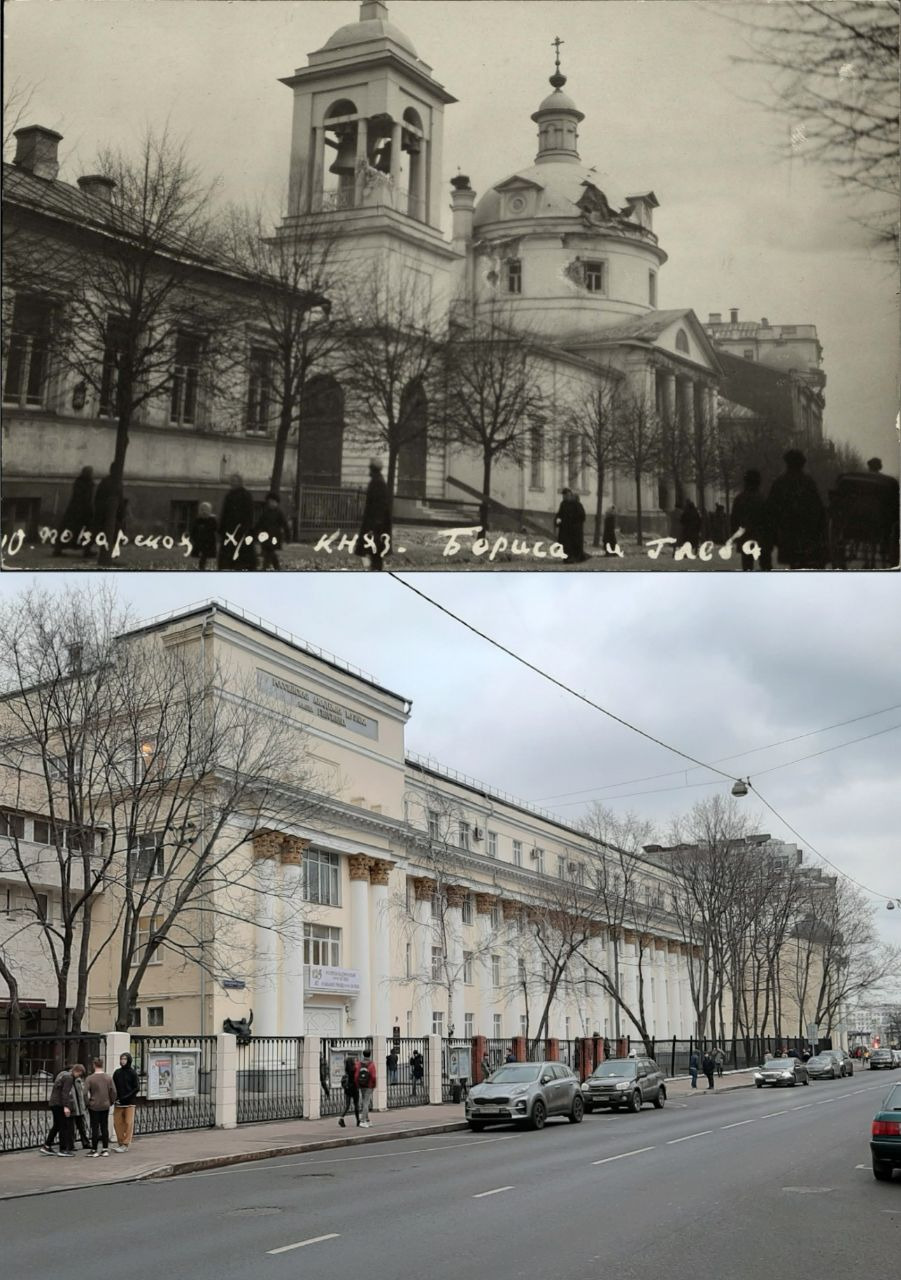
[
  {"x": 332, "y": 1056},
  {"x": 673, "y": 1055},
  {"x": 408, "y": 1081},
  {"x": 323, "y": 509},
  {"x": 497, "y": 1052},
  {"x": 28, "y": 1067},
  {"x": 568, "y": 1052},
  {"x": 178, "y": 1082},
  {"x": 270, "y": 1079},
  {"x": 456, "y": 1067}
]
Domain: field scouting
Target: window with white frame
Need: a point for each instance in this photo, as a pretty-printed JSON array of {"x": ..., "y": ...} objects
[
  {"x": 561, "y": 866},
  {"x": 115, "y": 345},
  {"x": 495, "y": 971},
  {"x": 408, "y": 960},
  {"x": 27, "y": 353},
  {"x": 492, "y": 844},
  {"x": 467, "y": 968},
  {"x": 134, "y": 1016},
  {"x": 12, "y": 825},
  {"x": 517, "y": 853},
  {"x": 437, "y": 905},
  {"x": 465, "y": 834},
  {"x": 538, "y": 860},
  {"x": 467, "y": 912},
  {"x": 147, "y": 926},
  {"x": 437, "y": 1022},
  {"x": 322, "y": 878},
  {"x": 434, "y": 823},
  {"x": 185, "y": 379},
  {"x": 437, "y": 964},
  {"x": 322, "y": 945},
  {"x": 513, "y": 271},
  {"x": 147, "y": 856},
  {"x": 497, "y": 1026},
  {"x": 495, "y": 915},
  {"x": 523, "y": 1024},
  {"x": 594, "y": 277},
  {"x": 468, "y": 1025}
]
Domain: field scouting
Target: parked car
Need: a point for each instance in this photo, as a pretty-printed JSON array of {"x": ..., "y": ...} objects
[
  {"x": 625, "y": 1082},
  {"x": 823, "y": 1067},
  {"x": 880, "y": 1058},
  {"x": 885, "y": 1136},
  {"x": 525, "y": 1093},
  {"x": 781, "y": 1071},
  {"x": 896, "y": 1057},
  {"x": 844, "y": 1060}
]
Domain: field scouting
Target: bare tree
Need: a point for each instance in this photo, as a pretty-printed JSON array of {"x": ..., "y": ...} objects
[
  {"x": 17, "y": 99},
  {"x": 639, "y": 449},
  {"x": 595, "y": 419},
  {"x": 493, "y": 399},
  {"x": 675, "y": 451}
]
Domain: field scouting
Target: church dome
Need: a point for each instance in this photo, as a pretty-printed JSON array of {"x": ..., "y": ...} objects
[
  {"x": 560, "y": 186},
  {"x": 366, "y": 31},
  {"x": 558, "y": 101}
]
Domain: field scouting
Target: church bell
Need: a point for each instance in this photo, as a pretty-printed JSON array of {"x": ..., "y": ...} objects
[{"x": 345, "y": 161}]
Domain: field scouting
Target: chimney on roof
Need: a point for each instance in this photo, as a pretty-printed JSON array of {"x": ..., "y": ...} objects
[
  {"x": 95, "y": 184},
  {"x": 765, "y": 323},
  {"x": 716, "y": 317},
  {"x": 36, "y": 150},
  {"x": 733, "y": 315}
]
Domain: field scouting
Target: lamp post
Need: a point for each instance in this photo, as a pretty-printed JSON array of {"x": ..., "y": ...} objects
[{"x": 892, "y": 903}]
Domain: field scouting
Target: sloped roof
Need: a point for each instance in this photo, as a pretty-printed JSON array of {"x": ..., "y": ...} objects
[
  {"x": 647, "y": 327},
  {"x": 50, "y": 195},
  {"x": 744, "y": 329}
]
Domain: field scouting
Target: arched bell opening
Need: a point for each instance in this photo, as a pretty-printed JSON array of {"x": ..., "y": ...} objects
[
  {"x": 340, "y": 127},
  {"x": 414, "y": 162}
]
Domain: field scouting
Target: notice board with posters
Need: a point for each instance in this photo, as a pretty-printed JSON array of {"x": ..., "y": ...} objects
[{"x": 172, "y": 1073}]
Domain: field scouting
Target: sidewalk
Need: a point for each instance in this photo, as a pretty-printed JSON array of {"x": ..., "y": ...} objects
[{"x": 163, "y": 1155}]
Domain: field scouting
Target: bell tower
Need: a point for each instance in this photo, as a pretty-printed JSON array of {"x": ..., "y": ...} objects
[{"x": 367, "y": 132}]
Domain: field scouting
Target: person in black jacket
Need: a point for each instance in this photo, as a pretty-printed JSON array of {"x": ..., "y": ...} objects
[
  {"x": 127, "y": 1083},
  {"x": 708, "y": 1066},
  {"x": 203, "y": 535},
  {"x": 78, "y": 515},
  {"x": 374, "y": 537},
  {"x": 272, "y": 522},
  {"x": 351, "y": 1089},
  {"x": 797, "y": 517},
  {"x": 749, "y": 512},
  {"x": 691, "y": 524},
  {"x": 570, "y": 525},
  {"x": 235, "y": 526}
]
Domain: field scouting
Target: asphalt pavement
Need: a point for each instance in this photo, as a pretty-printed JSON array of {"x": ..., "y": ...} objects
[{"x": 738, "y": 1185}]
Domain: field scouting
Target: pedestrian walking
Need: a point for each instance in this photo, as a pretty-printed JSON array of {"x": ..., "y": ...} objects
[
  {"x": 101, "y": 1095},
  {"x": 391, "y": 1066},
  {"x": 127, "y": 1083},
  {"x": 719, "y": 1057},
  {"x": 351, "y": 1089},
  {"x": 690, "y": 524},
  {"x": 796, "y": 515},
  {"x": 236, "y": 527},
  {"x": 78, "y": 515},
  {"x": 693, "y": 1069},
  {"x": 366, "y": 1079},
  {"x": 274, "y": 526},
  {"x": 324, "y": 1083},
  {"x": 570, "y": 525},
  {"x": 80, "y": 1113},
  {"x": 417, "y": 1070},
  {"x": 204, "y": 536},
  {"x": 749, "y": 513},
  {"x": 61, "y": 1103},
  {"x": 708, "y": 1066},
  {"x": 609, "y": 535},
  {"x": 374, "y": 538}
]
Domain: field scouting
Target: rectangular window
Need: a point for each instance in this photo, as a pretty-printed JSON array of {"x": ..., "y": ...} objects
[
  {"x": 322, "y": 945},
  {"x": 538, "y": 860},
  {"x": 561, "y": 866},
  {"x": 409, "y": 1023},
  {"x": 408, "y": 960},
  {"x": 749, "y": 354},
  {"x": 492, "y": 844},
  {"x": 467, "y": 968},
  {"x": 41, "y": 831},
  {"x": 155, "y": 1015},
  {"x": 594, "y": 277},
  {"x": 147, "y": 927},
  {"x": 114, "y": 347},
  {"x": 467, "y": 909},
  {"x": 182, "y": 514},
  {"x": 523, "y": 1024},
  {"x": 536, "y": 458},
  {"x": 437, "y": 964},
  {"x": 517, "y": 853},
  {"x": 134, "y": 1016},
  {"x": 495, "y": 971},
  {"x": 12, "y": 825},
  {"x": 465, "y": 834},
  {"x": 468, "y": 1025},
  {"x": 495, "y": 915},
  {"x": 146, "y": 857},
  {"x": 497, "y": 1029},
  {"x": 652, "y": 288},
  {"x": 322, "y": 878},
  {"x": 27, "y": 356},
  {"x": 434, "y": 825},
  {"x": 437, "y": 1022},
  {"x": 185, "y": 379},
  {"x": 514, "y": 275},
  {"x": 437, "y": 903},
  {"x": 40, "y": 904},
  {"x": 259, "y": 392}
]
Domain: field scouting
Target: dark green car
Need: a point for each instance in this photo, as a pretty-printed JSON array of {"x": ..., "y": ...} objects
[{"x": 885, "y": 1139}]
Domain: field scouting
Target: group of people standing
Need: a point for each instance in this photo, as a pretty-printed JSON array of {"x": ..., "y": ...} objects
[
  {"x": 77, "y": 1098},
  {"x": 90, "y": 508},
  {"x": 710, "y": 1063},
  {"x": 232, "y": 541}
]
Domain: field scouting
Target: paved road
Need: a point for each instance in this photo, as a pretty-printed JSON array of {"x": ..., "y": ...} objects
[{"x": 741, "y": 1185}]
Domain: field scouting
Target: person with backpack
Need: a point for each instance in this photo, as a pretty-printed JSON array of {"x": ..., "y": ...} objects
[
  {"x": 366, "y": 1085},
  {"x": 351, "y": 1088},
  {"x": 417, "y": 1070},
  {"x": 101, "y": 1094}
]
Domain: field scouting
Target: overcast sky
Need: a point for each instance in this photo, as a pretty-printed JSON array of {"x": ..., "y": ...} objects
[
  {"x": 666, "y": 108},
  {"x": 712, "y": 665}
]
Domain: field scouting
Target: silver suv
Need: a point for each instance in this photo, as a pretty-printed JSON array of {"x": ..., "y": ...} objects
[
  {"x": 525, "y": 1092},
  {"x": 625, "y": 1082}
]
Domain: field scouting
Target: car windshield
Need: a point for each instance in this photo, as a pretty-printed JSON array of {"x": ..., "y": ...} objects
[
  {"x": 516, "y": 1073},
  {"x": 821, "y": 1060},
  {"x": 608, "y": 1069},
  {"x": 779, "y": 1064},
  {"x": 893, "y": 1099}
]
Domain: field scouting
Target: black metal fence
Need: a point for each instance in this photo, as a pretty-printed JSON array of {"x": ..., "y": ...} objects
[
  {"x": 673, "y": 1055},
  {"x": 456, "y": 1067},
  {"x": 332, "y": 1055},
  {"x": 568, "y": 1052},
  {"x": 497, "y": 1052},
  {"x": 28, "y": 1067},
  {"x": 323, "y": 509},
  {"x": 270, "y": 1079},
  {"x": 407, "y": 1071},
  {"x": 178, "y": 1082}
]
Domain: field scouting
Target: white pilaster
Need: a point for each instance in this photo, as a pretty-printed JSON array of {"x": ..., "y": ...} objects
[
  {"x": 265, "y": 994},
  {"x": 434, "y": 1069},
  {"x": 482, "y": 969},
  {"x": 359, "y": 942},
  {"x": 292, "y": 997},
  {"x": 117, "y": 1043},
  {"x": 312, "y": 1048},
  {"x": 226, "y": 1095},
  {"x": 379, "y": 1053},
  {"x": 454, "y": 929},
  {"x": 381, "y": 960}
]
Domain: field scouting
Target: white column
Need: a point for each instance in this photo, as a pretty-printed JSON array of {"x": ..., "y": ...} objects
[
  {"x": 435, "y": 1047},
  {"x": 485, "y": 1006},
  {"x": 117, "y": 1043},
  {"x": 226, "y": 1096},
  {"x": 379, "y": 872},
  {"x": 660, "y": 980},
  {"x": 267, "y": 847},
  {"x": 688, "y": 1009},
  {"x": 312, "y": 1048},
  {"x": 359, "y": 942},
  {"x": 454, "y": 930},
  {"x": 422, "y": 954},
  {"x": 292, "y": 996},
  {"x": 395, "y": 154},
  {"x": 379, "y": 1053},
  {"x": 317, "y": 177}
]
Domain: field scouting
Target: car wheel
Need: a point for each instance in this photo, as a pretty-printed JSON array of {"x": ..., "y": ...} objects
[
  {"x": 882, "y": 1170},
  {"x": 833, "y": 1073},
  {"x": 807, "y": 1080},
  {"x": 588, "y": 1108},
  {"x": 660, "y": 1099},
  {"x": 578, "y": 1110},
  {"x": 759, "y": 1084},
  {"x": 792, "y": 1083},
  {"x": 539, "y": 1115},
  {"x": 851, "y": 1072},
  {"x": 477, "y": 1125},
  {"x": 634, "y": 1101}
]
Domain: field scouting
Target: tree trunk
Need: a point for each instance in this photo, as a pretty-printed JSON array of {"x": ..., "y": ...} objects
[
  {"x": 117, "y": 473},
  {"x": 638, "y": 529},
  {"x": 391, "y": 477},
  {"x": 14, "y": 1014},
  {"x": 84, "y": 956},
  {"x": 281, "y": 445},
  {"x": 486, "y": 492},
  {"x": 599, "y": 510}
]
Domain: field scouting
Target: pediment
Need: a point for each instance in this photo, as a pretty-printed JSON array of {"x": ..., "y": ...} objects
[{"x": 516, "y": 183}]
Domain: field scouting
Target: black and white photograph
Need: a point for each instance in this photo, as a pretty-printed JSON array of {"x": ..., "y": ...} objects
[{"x": 431, "y": 285}]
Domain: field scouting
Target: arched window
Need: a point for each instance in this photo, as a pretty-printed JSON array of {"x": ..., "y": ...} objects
[
  {"x": 321, "y": 432},
  {"x": 414, "y": 432},
  {"x": 682, "y": 341},
  {"x": 343, "y": 107}
]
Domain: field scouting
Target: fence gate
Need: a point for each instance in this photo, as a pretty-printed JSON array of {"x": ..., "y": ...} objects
[
  {"x": 270, "y": 1079},
  {"x": 455, "y": 1051},
  {"x": 332, "y": 1055},
  {"x": 28, "y": 1067},
  {"x": 178, "y": 1082},
  {"x": 407, "y": 1071}
]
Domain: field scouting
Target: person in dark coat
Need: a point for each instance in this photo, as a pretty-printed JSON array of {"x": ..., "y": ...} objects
[
  {"x": 417, "y": 1070},
  {"x": 204, "y": 533},
  {"x": 718, "y": 524},
  {"x": 708, "y": 1066},
  {"x": 236, "y": 523},
  {"x": 375, "y": 525},
  {"x": 570, "y": 526},
  {"x": 351, "y": 1089},
  {"x": 749, "y": 512},
  {"x": 693, "y": 1069},
  {"x": 609, "y": 535},
  {"x": 79, "y": 513},
  {"x": 107, "y": 499},
  {"x": 61, "y": 1107},
  {"x": 272, "y": 522},
  {"x": 796, "y": 516},
  {"x": 690, "y": 524}
]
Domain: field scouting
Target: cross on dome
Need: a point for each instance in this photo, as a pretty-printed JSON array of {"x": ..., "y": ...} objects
[
  {"x": 557, "y": 118},
  {"x": 558, "y": 80}
]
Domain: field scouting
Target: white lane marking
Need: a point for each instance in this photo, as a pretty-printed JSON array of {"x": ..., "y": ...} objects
[
  {"x": 672, "y": 1142},
  {"x": 494, "y": 1192},
  {"x": 739, "y": 1123},
  {"x": 623, "y": 1155},
  {"x": 803, "y": 1106},
  {"x": 768, "y": 1114},
  {"x": 257, "y": 1166},
  {"x": 301, "y": 1244},
  {"x": 861, "y": 1166}
]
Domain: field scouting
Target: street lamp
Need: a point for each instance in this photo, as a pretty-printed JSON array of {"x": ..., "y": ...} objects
[
  {"x": 892, "y": 903},
  {"x": 740, "y": 787}
]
